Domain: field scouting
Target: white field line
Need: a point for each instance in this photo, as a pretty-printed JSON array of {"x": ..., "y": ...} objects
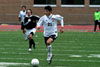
[
  {"x": 17, "y": 37},
  {"x": 11, "y": 42},
  {"x": 75, "y": 60},
  {"x": 43, "y": 46},
  {"x": 38, "y": 42},
  {"x": 57, "y": 43},
  {"x": 13, "y": 53},
  {"x": 5, "y": 64},
  {"x": 15, "y": 58},
  {"x": 65, "y": 42},
  {"x": 88, "y": 56},
  {"x": 94, "y": 55},
  {"x": 75, "y": 55},
  {"x": 60, "y": 60},
  {"x": 57, "y": 50},
  {"x": 2, "y": 66},
  {"x": 58, "y": 46},
  {"x": 11, "y": 33},
  {"x": 68, "y": 55},
  {"x": 29, "y": 53}
]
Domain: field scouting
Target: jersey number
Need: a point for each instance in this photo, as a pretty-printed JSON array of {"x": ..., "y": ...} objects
[{"x": 49, "y": 24}]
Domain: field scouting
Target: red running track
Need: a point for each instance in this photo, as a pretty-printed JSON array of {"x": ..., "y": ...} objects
[{"x": 66, "y": 27}]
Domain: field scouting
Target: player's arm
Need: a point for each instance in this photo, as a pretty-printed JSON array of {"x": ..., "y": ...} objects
[
  {"x": 39, "y": 24},
  {"x": 62, "y": 25},
  {"x": 24, "y": 30},
  {"x": 60, "y": 18},
  {"x": 19, "y": 17}
]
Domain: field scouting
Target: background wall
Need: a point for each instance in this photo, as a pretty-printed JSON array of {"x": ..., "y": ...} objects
[{"x": 9, "y": 10}]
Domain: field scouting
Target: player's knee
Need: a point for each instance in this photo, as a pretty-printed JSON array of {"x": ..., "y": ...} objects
[
  {"x": 30, "y": 37},
  {"x": 48, "y": 42}
]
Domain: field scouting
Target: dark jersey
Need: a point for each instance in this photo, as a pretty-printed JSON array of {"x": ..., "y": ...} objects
[{"x": 30, "y": 22}]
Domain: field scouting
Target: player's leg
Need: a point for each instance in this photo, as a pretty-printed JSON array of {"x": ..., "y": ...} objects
[
  {"x": 99, "y": 25},
  {"x": 48, "y": 45},
  {"x": 22, "y": 27},
  {"x": 49, "y": 41},
  {"x": 31, "y": 40},
  {"x": 46, "y": 38},
  {"x": 49, "y": 48},
  {"x": 95, "y": 26}
]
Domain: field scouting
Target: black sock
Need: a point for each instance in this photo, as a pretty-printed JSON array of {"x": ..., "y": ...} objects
[
  {"x": 33, "y": 44},
  {"x": 31, "y": 41}
]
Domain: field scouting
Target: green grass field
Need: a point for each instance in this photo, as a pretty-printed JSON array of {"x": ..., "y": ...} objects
[{"x": 70, "y": 49}]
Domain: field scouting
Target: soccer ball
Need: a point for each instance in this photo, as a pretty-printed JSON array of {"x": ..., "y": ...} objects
[{"x": 35, "y": 62}]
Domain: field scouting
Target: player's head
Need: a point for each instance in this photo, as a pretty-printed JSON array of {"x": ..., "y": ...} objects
[
  {"x": 48, "y": 10},
  {"x": 29, "y": 12},
  {"x": 23, "y": 7}
]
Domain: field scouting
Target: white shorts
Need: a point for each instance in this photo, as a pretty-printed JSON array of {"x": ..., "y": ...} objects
[{"x": 27, "y": 33}]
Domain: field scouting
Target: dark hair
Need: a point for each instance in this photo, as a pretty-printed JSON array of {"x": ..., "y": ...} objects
[
  {"x": 30, "y": 11},
  {"x": 49, "y": 8},
  {"x": 24, "y": 7}
]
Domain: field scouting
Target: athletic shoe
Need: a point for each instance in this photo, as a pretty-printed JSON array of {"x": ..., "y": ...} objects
[
  {"x": 49, "y": 59},
  {"x": 29, "y": 49}
]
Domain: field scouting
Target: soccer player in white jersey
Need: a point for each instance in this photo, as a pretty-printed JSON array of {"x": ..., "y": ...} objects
[
  {"x": 49, "y": 22},
  {"x": 22, "y": 15}
]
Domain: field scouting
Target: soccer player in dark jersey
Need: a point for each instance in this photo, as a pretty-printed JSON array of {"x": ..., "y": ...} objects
[{"x": 29, "y": 28}]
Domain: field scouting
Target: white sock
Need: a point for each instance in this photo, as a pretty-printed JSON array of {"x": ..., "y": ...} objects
[
  {"x": 25, "y": 37},
  {"x": 49, "y": 48}
]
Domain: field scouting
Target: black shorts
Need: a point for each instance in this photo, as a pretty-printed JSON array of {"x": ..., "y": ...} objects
[
  {"x": 22, "y": 26},
  {"x": 52, "y": 36}
]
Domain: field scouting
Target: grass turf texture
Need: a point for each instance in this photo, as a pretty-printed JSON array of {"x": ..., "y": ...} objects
[{"x": 71, "y": 49}]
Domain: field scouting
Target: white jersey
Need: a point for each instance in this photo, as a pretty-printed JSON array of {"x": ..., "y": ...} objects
[
  {"x": 22, "y": 15},
  {"x": 50, "y": 24}
]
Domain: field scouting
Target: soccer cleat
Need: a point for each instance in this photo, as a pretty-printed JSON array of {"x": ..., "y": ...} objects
[
  {"x": 49, "y": 59},
  {"x": 29, "y": 49}
]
